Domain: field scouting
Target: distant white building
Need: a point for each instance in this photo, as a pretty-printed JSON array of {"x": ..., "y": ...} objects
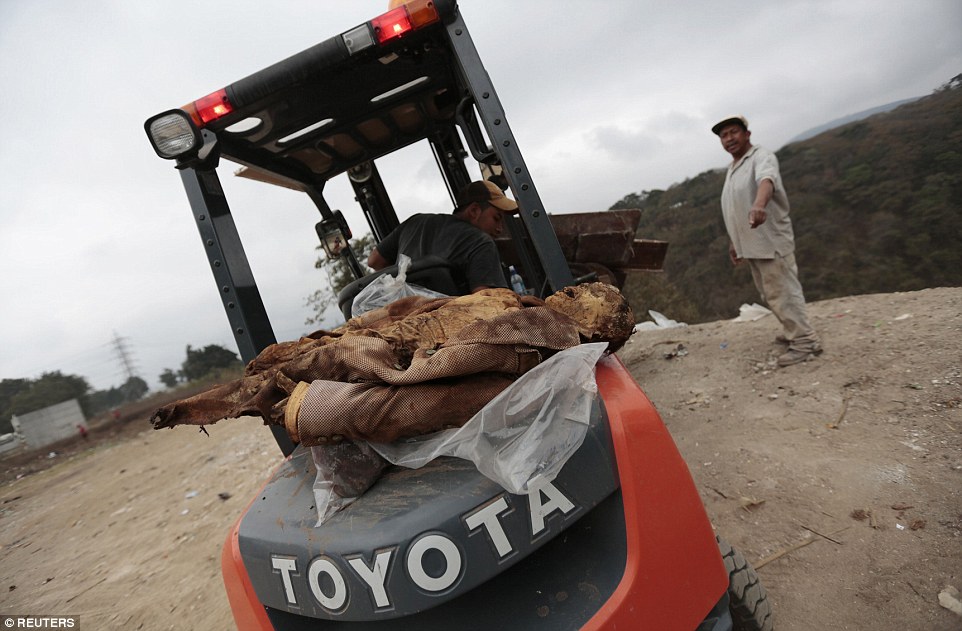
[
  {"x": 9, "y": 442},
  {"x": 50, "y": 424}
]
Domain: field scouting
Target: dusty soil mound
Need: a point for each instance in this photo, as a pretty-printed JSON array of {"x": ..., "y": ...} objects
[{"x": 857, "y": 454}]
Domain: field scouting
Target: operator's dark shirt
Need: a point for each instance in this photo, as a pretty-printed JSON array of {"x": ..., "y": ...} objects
[{"x": 470, "y": 250}]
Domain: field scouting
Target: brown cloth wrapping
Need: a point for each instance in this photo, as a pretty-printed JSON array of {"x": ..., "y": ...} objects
[
  {"x": 386, "y": 413},
  {"x": 412, "y": 367}
]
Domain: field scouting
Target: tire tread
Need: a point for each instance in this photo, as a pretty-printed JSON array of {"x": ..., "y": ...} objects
[{"x": 749, "y": 605}]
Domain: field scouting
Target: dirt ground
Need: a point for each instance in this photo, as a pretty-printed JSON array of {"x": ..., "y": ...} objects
[{"x": 857, "y": 455}]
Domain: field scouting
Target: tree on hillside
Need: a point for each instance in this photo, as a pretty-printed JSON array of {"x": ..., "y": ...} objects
[
  {"x": 134, "y": 389},
  {"x": 631, "y": 200},
  {"x": 131, "y": 390},
  {"x": 168, "y": 378},
  {"x": 952, "y": 84},
  {"x": 50, "y": 389},
  {"x": 202, "y": 362},
  {"x": 338, "y": 275},
  {"x": 8, "y": 389}
]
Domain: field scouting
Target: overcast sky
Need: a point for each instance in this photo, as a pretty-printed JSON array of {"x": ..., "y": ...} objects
[{"x": 605, "y": 99}]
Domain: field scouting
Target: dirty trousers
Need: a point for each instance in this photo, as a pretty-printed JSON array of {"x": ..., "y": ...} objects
[{"x": 777, "y": 282}]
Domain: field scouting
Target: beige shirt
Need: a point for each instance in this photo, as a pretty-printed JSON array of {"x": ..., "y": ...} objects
[{"x": 773, "y": 237}]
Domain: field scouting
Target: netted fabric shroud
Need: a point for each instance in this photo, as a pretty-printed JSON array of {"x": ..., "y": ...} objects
[{"x": 413, "y": 367}]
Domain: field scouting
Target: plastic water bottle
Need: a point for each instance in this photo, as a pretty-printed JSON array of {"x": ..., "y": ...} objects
[{"x": 517, "y": 283}]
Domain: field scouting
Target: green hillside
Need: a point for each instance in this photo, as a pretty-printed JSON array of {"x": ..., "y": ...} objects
[{"x": 876, "y": 206}]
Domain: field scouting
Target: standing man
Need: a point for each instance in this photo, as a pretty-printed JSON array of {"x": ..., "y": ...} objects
[
  {"x": 463, "y": 238},
  {"x": 755, "y": 209}
]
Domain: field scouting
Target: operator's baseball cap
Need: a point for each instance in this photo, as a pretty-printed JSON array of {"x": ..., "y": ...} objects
[
  {"x": 737, "y": 120},
  {"x": 486, "y": 192}
]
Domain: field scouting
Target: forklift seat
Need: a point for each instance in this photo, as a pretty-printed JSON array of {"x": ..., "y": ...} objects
[{"x": 431, "y": 272}]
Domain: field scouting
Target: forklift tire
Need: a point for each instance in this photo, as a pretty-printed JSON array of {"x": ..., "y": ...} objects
[{"x": 748, "y": 601}]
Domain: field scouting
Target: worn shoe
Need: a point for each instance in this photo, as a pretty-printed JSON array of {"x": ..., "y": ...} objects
[
  {"x": 797, "y": 356},
  {"x": 781, "y": 339}
]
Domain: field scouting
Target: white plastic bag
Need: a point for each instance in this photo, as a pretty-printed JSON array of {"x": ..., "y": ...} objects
[
  {"x": 660, "y": 322},
  {"x": 385, "y": 289},
  {"x": 750, "y": 313},
  {"x": 523, "y": 437}
]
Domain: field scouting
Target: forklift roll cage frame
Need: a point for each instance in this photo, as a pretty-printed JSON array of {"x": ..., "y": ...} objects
[{"x": 436, "y": 63}]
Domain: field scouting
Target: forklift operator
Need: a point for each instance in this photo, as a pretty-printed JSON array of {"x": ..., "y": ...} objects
[{"x": 463, "y": 238}]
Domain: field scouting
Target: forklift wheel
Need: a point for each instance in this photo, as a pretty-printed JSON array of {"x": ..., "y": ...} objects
[{"x": 748, "y": 601}]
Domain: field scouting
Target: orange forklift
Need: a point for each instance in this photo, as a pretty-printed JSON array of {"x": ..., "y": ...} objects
[{"x": 619, "y": 540}]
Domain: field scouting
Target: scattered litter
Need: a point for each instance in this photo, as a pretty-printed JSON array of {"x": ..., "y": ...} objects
[
  {"x": 190, "y": 494},
  {"x": 46, "y": 580},
  {"x": 901, "y": 507},
  {"x": 912, "y": 446},
  {"x": 660, "y": 322},
  {"x": 949, "y": 598},
  {"x": 698, "y": 400},
  {"x": 913, "y": 386},
  {"x": 772, "y": 396},
  {"x": 11, "y": 588},
  {"x": 52, "y": 454},
  {"x": 185, "y": 511},
  {"x": 748, "y": 503},
  {"x": 224, "y": 495},
  {"x": 900, "y": 526},
  {"x": 861, "y": 514},
  {"x": 758, "y": 565},
  {"x": 838, "y": 421},
  {"x": 904, "y": 316},
  {"x": 678, "y": 351},
  {"x": 823, "y": 536},
  {"x": 723, "y": 346},
  {"x": 750, "y": 313},
  {"x": 917, "y": 524}
]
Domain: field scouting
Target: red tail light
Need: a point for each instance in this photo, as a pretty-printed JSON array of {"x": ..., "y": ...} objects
[
  {"x": 405, "y": 18},
  {"x": 209, "y": 108},
  {"x": 391, "y": 25}
]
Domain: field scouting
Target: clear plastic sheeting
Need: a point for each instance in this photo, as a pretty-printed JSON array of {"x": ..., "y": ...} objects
[
  {"x": 522, "y": 438},
  {"x": 385, "y": 289},
  {"x": 344, "y": 472}
]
